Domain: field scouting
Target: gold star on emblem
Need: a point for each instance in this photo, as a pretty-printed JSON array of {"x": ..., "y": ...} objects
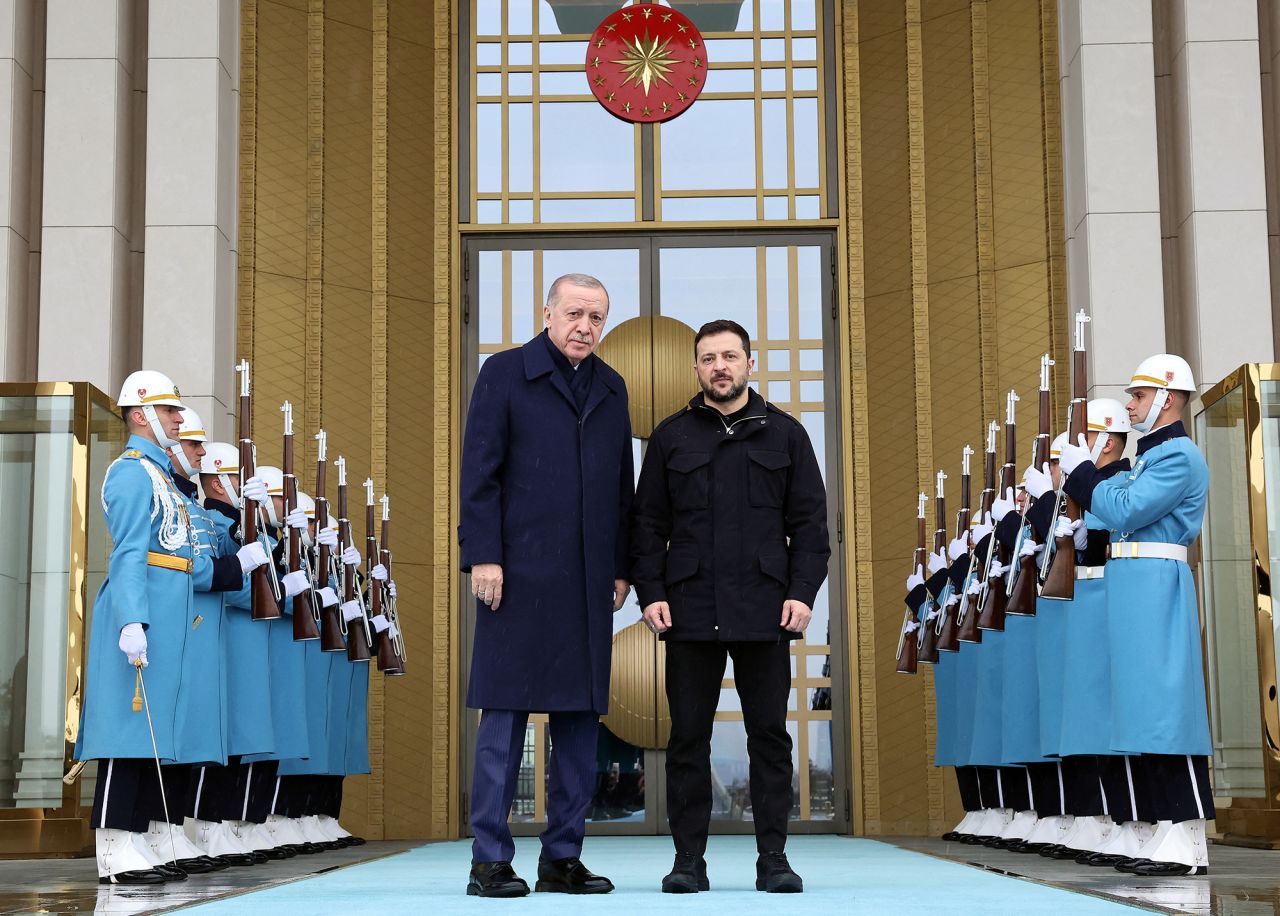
[
  {"x": 595, "y": 62},
  {"x": 600, "y": 43},
  {"x": 682, "y": 28},
  {"x": 646, "y": 111},
  {"x": 599, "y": 80},
  {"x": 666, "y": 17},
  {"x": 666, "y": 106},
  {"x": 693, "y": 45},
  {"x": 646, "y": 61},
  {"x": 693, "y": 81},
  {"x": 610, "y": 27},
  {"x": 626, "y": 106},
  {"x": 647, "y": 12},
  {"x": 626, "y": 17},
  {"x": 610, "y": 97},
  {"x": 697, "y": 61},
  {"x": 680, "y": 96}
]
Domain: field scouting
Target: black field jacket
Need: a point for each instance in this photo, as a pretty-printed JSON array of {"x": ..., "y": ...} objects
[{"x": 729, "y": 521}]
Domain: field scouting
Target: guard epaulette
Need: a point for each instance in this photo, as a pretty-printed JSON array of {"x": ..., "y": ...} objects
[
  {"x": 778, "y": 410},
  {"x": 132, "y": 453},
  {"x": 675, "y": 416}
]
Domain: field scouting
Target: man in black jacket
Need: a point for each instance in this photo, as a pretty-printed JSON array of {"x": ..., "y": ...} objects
[{"x": 729, "y": 548}]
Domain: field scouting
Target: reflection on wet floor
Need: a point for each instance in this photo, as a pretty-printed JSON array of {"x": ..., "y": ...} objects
[
  {"x": 71, "y": 885},
  {"x": 1241, "y": 882}
]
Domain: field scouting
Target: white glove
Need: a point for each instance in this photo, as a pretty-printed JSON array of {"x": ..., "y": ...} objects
[
  {"x": 1003, "y": 505},
  {"x": 379, "y": 572},
  {"x": 133, "y": 643},
  {"x": 380, "y": 623},
  {"x": 953, "y": 600},
  {"x": 255, "y": 488},
  {"x": 297, "y": 519},
  {"x": 328, "y": 597},
  {"x": 351, "y": 557},
  {"x": 915, "y": 579},
  {"x": 327, "y": 537},
  {"x": 998, "y": 569},
  {"x": 975, "y": 587},
  {"x": 1073, "y": 455},
  {"x": 979, "y": 531},
  {"x": 956, "y": 549},
  {"x": 1029, "y": 548},
  {"x": 395, "y": 630},
  {"x": 351, "y": 610},
  {"x": 391, "y": 587},
  {"x": 1075, "y": 530},
  {"x": 1037, "y": 482},
  {"x": 295, "y": 583},
  {"x": 251, "y": 556}
]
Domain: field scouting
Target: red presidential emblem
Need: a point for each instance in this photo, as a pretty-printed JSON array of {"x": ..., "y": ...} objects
[
  {"x": 646, "y": 63},
  {"x": 1168, "y": 378},
  {"x": 1107, "y": 421}
]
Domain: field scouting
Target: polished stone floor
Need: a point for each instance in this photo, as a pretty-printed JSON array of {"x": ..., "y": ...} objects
[
  {"x": 71, "y": 885},
  {"x": 1241, "y": 882}
]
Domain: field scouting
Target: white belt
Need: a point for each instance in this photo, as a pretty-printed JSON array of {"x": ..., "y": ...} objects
[
  {"x": 1150, "y": 550},
  {"x": 1090, "y": 572}
]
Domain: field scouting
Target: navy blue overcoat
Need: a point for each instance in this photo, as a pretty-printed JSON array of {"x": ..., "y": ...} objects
[{"x": 546, "y": 491}]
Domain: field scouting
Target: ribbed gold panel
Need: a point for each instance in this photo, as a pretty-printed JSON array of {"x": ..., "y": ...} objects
[
  {"x": 655, "y": 356},
  {"x": 638, "y": 711}
]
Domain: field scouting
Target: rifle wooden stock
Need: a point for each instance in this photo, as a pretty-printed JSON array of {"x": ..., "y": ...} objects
[
  {"x": 908, "y": 662},
  {"x": 390, "y": 648},
  {"x": 948, "y": 622},
  {"x": 331, "y": 639},
  {"x": 993, "y": 604},
  {"x": 304, "y": 608},
  {"x": 375, "y": 587},
  {"x": 968, "y": 618},
  {"x": 928, "y": 649},
  {"x": 1026, "y": 579},
  {"x": 263, "y": 604},
  {"x": 357, "y": 637},
  {"x": 1060, "y": 579}
]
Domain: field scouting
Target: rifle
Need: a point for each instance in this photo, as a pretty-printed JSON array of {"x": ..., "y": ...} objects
[
  {"x": 331, "y": 628},
  {"x": 391, "y": 647},
  {"x": 306, "y": 613},
  {"x": 371, "y": 560},
  {"x": 1058, "y": 563},
  {"x": 1024, "y": 576},
  {"x": 906, "y": 641},
  {"x": 265, "y": 594},
  {"x": 927, "y": 651},
  {"x": 948, "y": 631},
  {"x": 357, "y": 643},
  {"x": 992, "y": 600},
  {"x": 967, "y": 617}
]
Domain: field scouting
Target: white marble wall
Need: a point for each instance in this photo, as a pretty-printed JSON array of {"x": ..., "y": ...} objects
[
  {"x": 21, "y": 70},
  {"x": 191, "y": 137},
  {"x": 1214, "y": 194},
  {"x": 1111, "y": 189}
]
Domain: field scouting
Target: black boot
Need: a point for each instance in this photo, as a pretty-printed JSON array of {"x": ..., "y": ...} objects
[
  {"x": 774, "y": 874},
  {"x": 688, "y": 875},
  {"x": 495, "y": 879},
  {"x": 570, "y": 876}
]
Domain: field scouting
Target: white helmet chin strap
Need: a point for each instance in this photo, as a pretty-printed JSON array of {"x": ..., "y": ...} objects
[
  {"x": 1099, "y": 443},
  {"x": 270, "y": 506},
  {"x": 180, "y": 455},
  {"x": 162, "y": 438},
  {"x": 230, "y": 489},
  {"x": 1157, "y": 404}
]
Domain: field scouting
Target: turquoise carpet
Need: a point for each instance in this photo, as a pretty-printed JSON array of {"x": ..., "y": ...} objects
[{"x": 841, "y": 876}]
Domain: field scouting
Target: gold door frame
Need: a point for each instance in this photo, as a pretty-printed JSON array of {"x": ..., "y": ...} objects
[{"x": 1254, "y": 821}]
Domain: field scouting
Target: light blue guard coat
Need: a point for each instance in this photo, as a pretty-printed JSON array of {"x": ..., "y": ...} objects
[
  {"x": 135, "y": 592},
  {"x": 1157, "y": 673},
  {"x": 986, "y": 746},
  {"x": 1020, "y": 711}
]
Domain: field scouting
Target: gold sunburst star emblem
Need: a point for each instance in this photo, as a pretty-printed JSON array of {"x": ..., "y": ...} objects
[{"x": 647, "y": 61}]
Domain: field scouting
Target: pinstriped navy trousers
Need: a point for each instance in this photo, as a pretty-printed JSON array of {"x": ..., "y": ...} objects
[{"x": 572, "y": 776}]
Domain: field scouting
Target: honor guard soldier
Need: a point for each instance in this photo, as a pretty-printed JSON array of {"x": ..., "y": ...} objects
[
  {"x": 1158, "y": 706},
  {"x": 140, "y": 621}
]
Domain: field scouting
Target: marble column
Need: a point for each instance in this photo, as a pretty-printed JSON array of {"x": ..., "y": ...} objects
[
  {"x": 18, "y": 69},
  {"x": 192, "y": 140}
]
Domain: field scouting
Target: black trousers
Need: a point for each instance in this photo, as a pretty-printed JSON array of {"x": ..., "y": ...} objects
[
  {"x": 1082, "y": 786},
  {"x": 254, "y": 792},
  {"x": 119, "y": 798},
  {"x": 1177, "y": 786},
  {"x": 1005, "y": 787},
  {"x": 762, "y": 674},
  {"x": 970, "y": 791},
  {"x": 1046, "y": 789},
  {"x": 211, "y": 793}
]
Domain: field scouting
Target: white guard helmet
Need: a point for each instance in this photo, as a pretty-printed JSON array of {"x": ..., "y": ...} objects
[
  {"x": 1106, "y": 416},
  {"x": 222, "y": 459},
  {"x": 149, "y": 389},
  {"x": 1164, "y": 372},
  {"x": 192, "y": 430},
  {"x": 1055, "y": 447},
  {"x": 307, "y": 505},
  {"x": 274, "y": 479}
]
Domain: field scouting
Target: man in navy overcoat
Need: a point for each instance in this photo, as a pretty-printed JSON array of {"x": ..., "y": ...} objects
[{"x": 546, "y": 487}]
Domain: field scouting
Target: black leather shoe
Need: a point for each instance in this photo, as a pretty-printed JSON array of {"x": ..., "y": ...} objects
[
  {"x": 569, "y": 876},
  {"x": 217, "y": 866},
  {"x": 1049, "y": 849},
  {"x": 1030, "y": 848},
  {"x": 1010, "y": 844},
  {"x": 276, "y": 853},
  {"x": 688, "y": 875},
  {"x": 238, "y": 858},
  {"x": 495, "y": 879},
  {"x": 355, "y": 840},
  {"x": 952, "y": 836},
  {"x": 979, "y": 840},
  {"x": 1062, "y": 852},
  {"x": 198, "y": 866},
  {"x": 140, "y": 876},
  {"x": 1167, "y": 870},
  {"x": 1128, "y": 865},
  {"x": 170, "y": 871},
  {"x": 1100, "y": 859},
  {"x": 774, "y": 874}
]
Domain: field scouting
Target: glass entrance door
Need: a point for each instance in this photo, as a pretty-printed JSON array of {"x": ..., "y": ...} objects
[{"x": 662, "y": 288}]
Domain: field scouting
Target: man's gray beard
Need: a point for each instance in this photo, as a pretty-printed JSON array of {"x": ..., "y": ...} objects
[{"x": 732, "y": 394}]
